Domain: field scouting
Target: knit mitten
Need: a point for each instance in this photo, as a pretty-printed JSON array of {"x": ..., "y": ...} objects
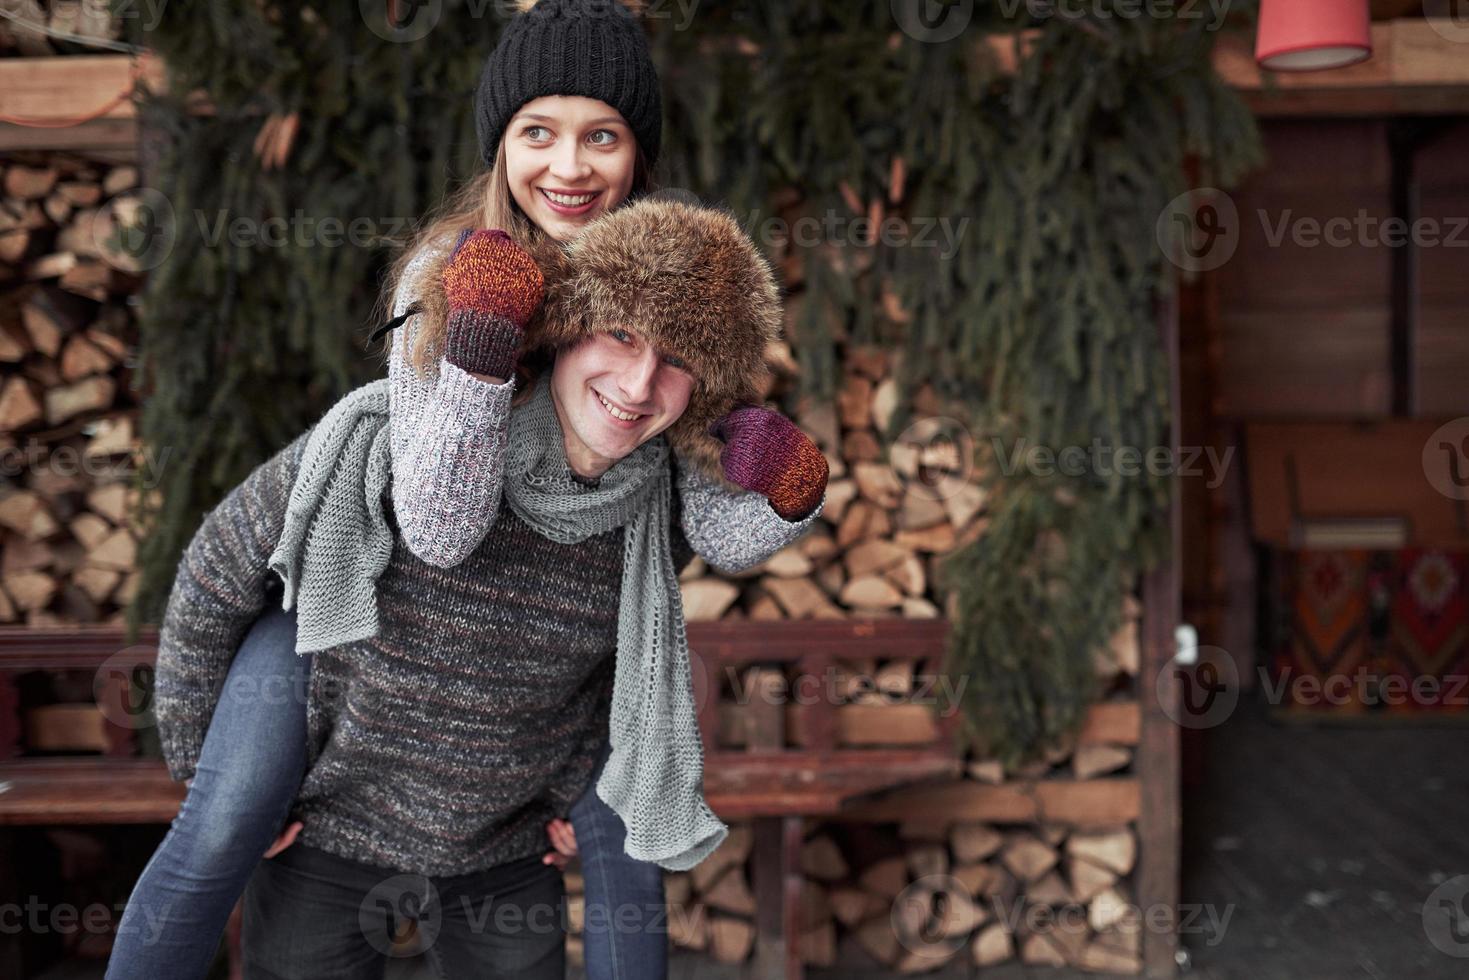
[
  {"x": 766, "y": 452},
  {"x": 493, "y": 287}
]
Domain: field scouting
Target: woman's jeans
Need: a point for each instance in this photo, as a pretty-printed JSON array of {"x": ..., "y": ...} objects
[{"x": 249, "y": 771}]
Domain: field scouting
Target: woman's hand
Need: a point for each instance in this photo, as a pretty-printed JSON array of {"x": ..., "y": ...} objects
[
  {"x": 285, "y": 840},
  {"x": 563, "y": 839},
  {"x": 766, "y": 452},
  {"x": 493, "y": 287}
]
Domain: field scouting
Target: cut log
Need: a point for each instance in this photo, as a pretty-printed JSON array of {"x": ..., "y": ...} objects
[
  {"x": 822, "y": 860},
  {"x": 18, "y": 405},
  {"x": 878, "y": 483},
  {"x": 1027, "y": 857},
  {"x": 871, "y": 592},
  {"x": 688, "y": 926},
  {"x": 26, "y": 513},
  {"x": 732, "y": 853},
  {"x": 707, "y": 599},
  {"x": 909, "y": 576},
  {"x": 839, "y": 494},
  {"x": 916, "y": 608},
  {"x": 862, "y": 521},
  {"x": 87, "y": 395},
  {"x": 97, "y": 583},
  {"x": 854, "y": 402},
  {"x": 113, "y": 437},
  {"x": 117, "y": 551},
  {"x": 29, "y": 183},
  {"x": 974, "y": 842},
  {"x": 81, "y": 358},
  {"x": 886, "y": 878},
  {"x": 920, "y": 508},
  {"x": 1115, "y": 851},
  {"x": 731, "y": 893},
  {"x": 119, "y": 179},
  {"x": 30, "y": 590},
  {"x": 939, "y": 538},
  {"x": 884, "y": 403},
  {"x": 861, "y": 446},
  {"x": 1088, "y": 880},
  {"x": 1098, "y": 760},
  {"x": 111, "y": 501},
  {"x": 800, "y": 598},
  {"x": 992, "y": 944},
  {"x": 788, "y": 562},
  {"x": 873, "y": 558},
  {"x": 731, "y": 939}
]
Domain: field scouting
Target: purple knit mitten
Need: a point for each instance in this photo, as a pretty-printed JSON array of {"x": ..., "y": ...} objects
[
  {"x": 494, "y": 287},
  {"x": 766, "y": 452}
]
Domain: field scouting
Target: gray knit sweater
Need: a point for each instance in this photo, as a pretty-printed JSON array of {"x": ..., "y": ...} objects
[{"x": 445, "y": 743}]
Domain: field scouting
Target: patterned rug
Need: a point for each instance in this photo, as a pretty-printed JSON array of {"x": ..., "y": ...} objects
[{"x": 1370, "y": 635}]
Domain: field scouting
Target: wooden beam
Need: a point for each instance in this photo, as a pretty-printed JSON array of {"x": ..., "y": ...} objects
[{"x": 1092, "y": 803}]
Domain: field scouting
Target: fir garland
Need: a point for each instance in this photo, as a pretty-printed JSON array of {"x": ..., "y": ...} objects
[{"x": 1041, "y": 325}]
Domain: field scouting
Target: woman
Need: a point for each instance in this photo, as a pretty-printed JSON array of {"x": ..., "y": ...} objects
[{"x": 563, "y": 160}]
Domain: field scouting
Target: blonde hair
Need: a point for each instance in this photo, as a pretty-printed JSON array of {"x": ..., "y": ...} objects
[{"x": 484, "y": 201}]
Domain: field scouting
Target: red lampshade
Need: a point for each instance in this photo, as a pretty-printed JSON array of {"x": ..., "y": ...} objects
[{"x": 1310, "y": 35}]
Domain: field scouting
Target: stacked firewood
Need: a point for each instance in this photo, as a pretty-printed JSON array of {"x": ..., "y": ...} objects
[
  {"x": 38, "y": 28},
  {"x": 1046, "y": 896},
  {"x": 68, "y": 414},
  {"x": 894, "y": 507}
]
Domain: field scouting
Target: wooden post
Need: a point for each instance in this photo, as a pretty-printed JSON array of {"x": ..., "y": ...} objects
[
  {"x": 777, "y": 883},
  {"x": 1158, "y": 748}
]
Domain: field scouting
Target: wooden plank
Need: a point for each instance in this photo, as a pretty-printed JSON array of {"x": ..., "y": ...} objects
[
  {"x": 74, "y": 85},
  {"x": 1085, "y": 803},
  {"x": 115, "y": 795},
  {"x": 1159, "y": 822}
]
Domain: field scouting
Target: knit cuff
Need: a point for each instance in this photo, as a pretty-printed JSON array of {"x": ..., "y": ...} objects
[{"x": 483, "y": 343}]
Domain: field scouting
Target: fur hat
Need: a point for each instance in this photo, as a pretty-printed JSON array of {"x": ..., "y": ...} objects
[{"x": 691, "y": 282}]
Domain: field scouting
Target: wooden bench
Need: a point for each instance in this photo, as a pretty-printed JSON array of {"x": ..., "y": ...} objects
[{"x": 773, "y": 784}]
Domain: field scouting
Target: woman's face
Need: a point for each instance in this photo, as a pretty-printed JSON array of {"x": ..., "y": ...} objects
[
  {"x": 621, "y": 367},
  {"x": 568, "y": 159}
]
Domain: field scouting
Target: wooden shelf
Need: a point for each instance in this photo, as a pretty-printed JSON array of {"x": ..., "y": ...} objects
[{"x": 1416, "y": 68}]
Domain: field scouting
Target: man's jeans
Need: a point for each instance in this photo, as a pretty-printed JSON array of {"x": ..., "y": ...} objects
[{"x": 310, "y": 914}]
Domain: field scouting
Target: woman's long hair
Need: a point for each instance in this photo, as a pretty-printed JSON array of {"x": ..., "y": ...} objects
[{"x": 484, "y": 201}]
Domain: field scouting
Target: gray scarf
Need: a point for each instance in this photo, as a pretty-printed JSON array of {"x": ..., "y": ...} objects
[{"x": 336, "y": 543}]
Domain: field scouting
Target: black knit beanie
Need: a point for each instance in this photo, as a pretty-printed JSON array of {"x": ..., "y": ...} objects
[{"x": 593, "y": 48}]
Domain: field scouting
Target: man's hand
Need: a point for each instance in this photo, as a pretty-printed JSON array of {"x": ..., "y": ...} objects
[
  {"x": 285, "y": 840},
  {"x": 563, "y": 839},
  {"x": 766, "y": 452}
]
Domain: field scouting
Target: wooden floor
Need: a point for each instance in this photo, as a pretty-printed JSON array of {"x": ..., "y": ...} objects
[{"x": 1323, "y": 845}]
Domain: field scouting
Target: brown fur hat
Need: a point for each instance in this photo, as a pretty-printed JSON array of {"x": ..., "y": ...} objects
[{"x": 692, "y": 283}]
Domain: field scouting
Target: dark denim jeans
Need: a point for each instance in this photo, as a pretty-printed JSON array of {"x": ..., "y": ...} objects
[
  {"x": 311, "y": 914},
  {"x": 625, "y": 926},
  {"x": 249, "y": 770}
]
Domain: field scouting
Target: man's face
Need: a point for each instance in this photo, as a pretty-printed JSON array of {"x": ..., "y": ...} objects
[{"x": 604, "y": 379}]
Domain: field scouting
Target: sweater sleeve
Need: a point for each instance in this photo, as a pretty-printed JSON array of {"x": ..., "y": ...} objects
[
  {"x": 219, "y": 591},
  {"x": 734, "y": 530},
  {"x": 448, "y": 435}
]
